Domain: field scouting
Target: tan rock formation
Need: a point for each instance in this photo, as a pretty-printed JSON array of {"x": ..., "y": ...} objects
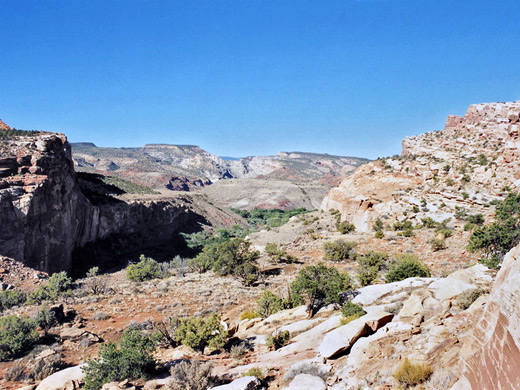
[
  {"x": 4, "y": 126},
  {"x": 492, "y": 351}
]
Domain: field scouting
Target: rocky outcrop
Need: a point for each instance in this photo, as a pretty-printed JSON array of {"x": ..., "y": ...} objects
[
  {"x": 45, "y": 214},
  {"x": 493, "y": 347},
  {"x": 4, "y": 126},
  {"x": 465, "y": 166}
]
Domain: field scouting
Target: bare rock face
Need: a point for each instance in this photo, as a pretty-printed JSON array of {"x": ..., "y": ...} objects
[
  {"x": 4, "y": 126},
  {"x": 466, "y": 165},
  {"x": 494, "y": 345},
  {"x": 45, "y": 215}
]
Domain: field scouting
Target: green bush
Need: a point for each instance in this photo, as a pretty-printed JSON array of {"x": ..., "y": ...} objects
[
  {"x": 320, "y": 285},
  {"x": 402, "y": 225},
  {"x": 352, "y": 309},
  {"x": 269, "y": 303},
  {"x": 233, "y": 257},
  {"x": 438, "y": 244},
  {"x": 146, "y": 269},
  {"x": 133, "y": 360},
  {"x": 369, "y": 266},
  {"x": 345, "y": 227},
  {"x": 407, "y": 266},
  {"x": 278, "y": 255},
  {"x": 498, "y": 238},
  {"x": 429, "y": 222},
  {"x": 198, "y": 333},
  {"x": 59, "y": 284},
  {"x": 269, "y": 218},
  {"x": 340, "y": 250},
  {"x": 278, "y": 340},
  {"x": 17, "y": 335},
  {"x": 10, "y": 298},
  {"x": 256, "y": 372}
]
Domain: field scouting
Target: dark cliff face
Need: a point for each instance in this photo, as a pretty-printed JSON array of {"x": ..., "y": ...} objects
[{"x": 45, "y": 216}]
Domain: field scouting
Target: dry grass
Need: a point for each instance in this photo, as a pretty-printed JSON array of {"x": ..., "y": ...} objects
[{"x": 409, "y": 374}]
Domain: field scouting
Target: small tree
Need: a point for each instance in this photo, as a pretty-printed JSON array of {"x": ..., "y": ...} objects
[
  {"x": 59, "y": 284},
  {"x": 133, "y": 360},
  {"x": 146, "y": 269},
  {"x": 320, "y": 285},
  {"x": 269, "y": 303}
]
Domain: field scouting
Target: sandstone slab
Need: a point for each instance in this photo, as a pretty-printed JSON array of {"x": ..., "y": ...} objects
[
  {"x": 58, "y": 380},
  {"x": 307, "y": 382}
]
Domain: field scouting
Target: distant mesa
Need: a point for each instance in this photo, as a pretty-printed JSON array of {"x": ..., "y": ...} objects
[{"x": 4, "y": 126}]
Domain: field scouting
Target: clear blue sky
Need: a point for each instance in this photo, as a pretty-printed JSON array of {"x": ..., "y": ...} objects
[{"x": 349, "y": 77}]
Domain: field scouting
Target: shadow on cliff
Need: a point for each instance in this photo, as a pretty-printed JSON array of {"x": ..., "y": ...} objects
[{"x": 152, "y": 230}]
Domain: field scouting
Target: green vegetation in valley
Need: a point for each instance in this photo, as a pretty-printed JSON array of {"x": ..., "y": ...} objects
[
  {"x": 263, "y": 218},
  {"x": 128, "y": 186}
]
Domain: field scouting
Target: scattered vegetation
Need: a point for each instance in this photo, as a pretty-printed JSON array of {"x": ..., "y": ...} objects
[
  {"x": 407, "y": 266},
  {"x": 9, "y": 134},
  {"x": 340, "y": 250},
  {"x": 132, "y": 360},
  {"x": 320, "y": 285},
  {"x": 128, "y": 187},
  {"x": 409, "y": 374},
  {"x": 438, "y": 244},
  {"x": 256, "y": 372},
  {"x": 345, "y": 227}
]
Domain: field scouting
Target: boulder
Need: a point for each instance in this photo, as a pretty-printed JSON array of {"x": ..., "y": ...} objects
[
  {"x": 60, "y": 379},
  {"x": 379, "y": 294},
  {"x": 307, "y": 382},
  {"x": 448, "y": 288},
  {"x": 244, "y": 383},
  {"x": 342, "y": 338}
]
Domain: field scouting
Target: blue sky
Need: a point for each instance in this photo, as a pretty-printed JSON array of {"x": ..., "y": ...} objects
[{"x": 254, "y": 77}]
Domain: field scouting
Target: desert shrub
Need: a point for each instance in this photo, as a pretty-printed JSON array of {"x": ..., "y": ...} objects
[
  {"x": 306, "y": 368},
  {"x": 95, "y": 283},
  {"x": 256, "y": 372},
  {"x": 409, "y": 374},
  {"x": 133, "y": 360},
  {"x": 402, "y": 225},
  {"x": 16, "y": 373},
  {"x": 495, "y": 240},
  {"x": 269, "y": 218},
  {"x": 278, "y": 255},
  {"x": 166, "y": 328},
  {"x": 45, "y": 318},
  {"x": 345, "y": 227},
  {"x": 466, "y": 298},
  {"x": 378, "y": 225},
  {"x": 239, "y": 350},
  {"x": 369, "y": 266},
  {"x": 407, "y": 266},
  {"x": 476, "y": 219},
  {"x": 351, "y": 311},
  {"x": 249, "y": 315},
  {"x": 379, "y": 234},
  {"x": 100, "y": 316},
  {"x": 278, "y": 340},
  {"x": 17, "y": 335},
  {"x": 438, "y": 244},
  {"x": 198, "y": 333},
  {"x": 429, "y": 222},
  {"x": 10, "y": 298},
  {"x": 269, "y": 303},
  {"x": 233, "y": 257},
  {"x": 339, "y": 250},
  {"x": 46, "y": 367},
  {"x": 320, "y": 285},
  {"x": 59, "y": 284},
  {"x": 146, "y": 269},
  {"x": 190, "y": 375},
  {"x": 406, "y": 233}
]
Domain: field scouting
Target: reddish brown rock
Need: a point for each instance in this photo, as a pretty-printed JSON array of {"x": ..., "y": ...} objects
[{"x": 3, "y": 126}]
